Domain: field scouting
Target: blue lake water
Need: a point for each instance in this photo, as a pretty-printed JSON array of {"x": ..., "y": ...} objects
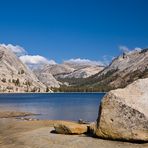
[{"x": 55, "y": 106}]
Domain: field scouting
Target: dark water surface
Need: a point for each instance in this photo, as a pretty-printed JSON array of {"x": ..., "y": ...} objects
[{"x": 61, "y": 106}]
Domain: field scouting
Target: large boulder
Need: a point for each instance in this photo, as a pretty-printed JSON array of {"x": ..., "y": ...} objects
[
  {"x": 70, "y": 128},
  {"x": 123, "y": 113}
]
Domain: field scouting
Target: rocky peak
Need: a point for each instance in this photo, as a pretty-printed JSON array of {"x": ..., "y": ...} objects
[
  {"x": 126, "y": 68},
  {"x": 129, "y": 59}
]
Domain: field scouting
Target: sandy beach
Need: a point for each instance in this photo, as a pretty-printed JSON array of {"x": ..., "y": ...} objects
[{"x": 20, "y": 133}]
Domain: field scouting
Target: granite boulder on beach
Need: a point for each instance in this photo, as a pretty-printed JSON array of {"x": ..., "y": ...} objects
[{"x": 123, "y": 113}]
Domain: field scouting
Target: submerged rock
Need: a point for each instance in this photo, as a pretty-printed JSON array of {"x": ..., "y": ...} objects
[
  {"x": 70, "y": 128},
  {"x": 123, "y": 113}
]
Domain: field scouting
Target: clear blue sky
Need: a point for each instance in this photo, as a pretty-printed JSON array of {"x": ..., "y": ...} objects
[{"x": 64, "y": 29}]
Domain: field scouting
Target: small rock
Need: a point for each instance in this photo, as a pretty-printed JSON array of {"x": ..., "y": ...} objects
[
  {"x": 81, "y": 121},
  {"x": 70, "y": 128},
  {"x": 92, "y": 128}
]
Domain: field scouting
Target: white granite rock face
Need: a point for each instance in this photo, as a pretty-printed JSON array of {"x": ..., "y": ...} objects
[
  {"x": 124, "y": 113},
  {"x": 15, "y": 76}
]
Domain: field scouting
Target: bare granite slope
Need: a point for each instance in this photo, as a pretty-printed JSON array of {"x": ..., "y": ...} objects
[
  {"x": 126, "y": 68},
  {"x": 15, "y": 76},
  {"x": 122, "y": 71},
  {"x": 50, "y": 75}
]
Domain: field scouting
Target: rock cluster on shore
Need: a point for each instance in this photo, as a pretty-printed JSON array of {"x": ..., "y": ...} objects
[{"x": 123, "y": 115}]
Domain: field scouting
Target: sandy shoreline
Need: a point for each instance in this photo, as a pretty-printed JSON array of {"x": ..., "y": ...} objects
[{"x": 38, "y": 134}]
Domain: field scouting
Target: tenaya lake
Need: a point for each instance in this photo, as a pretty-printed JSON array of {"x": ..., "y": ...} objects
[{"x": 54, "y": 106}]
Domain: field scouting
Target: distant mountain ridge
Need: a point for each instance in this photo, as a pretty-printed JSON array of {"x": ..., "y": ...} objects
[
  {"x": 64, "y": 71},
  {"x": 127, "y": 68},
  {"x": 122, "y": 71},
  {"x": 71, "y": 75}
]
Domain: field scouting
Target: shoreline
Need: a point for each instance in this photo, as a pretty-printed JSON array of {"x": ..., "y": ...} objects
[
  {"x": 49, "y": 92},
  {"x": 19, "y": 133}
]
